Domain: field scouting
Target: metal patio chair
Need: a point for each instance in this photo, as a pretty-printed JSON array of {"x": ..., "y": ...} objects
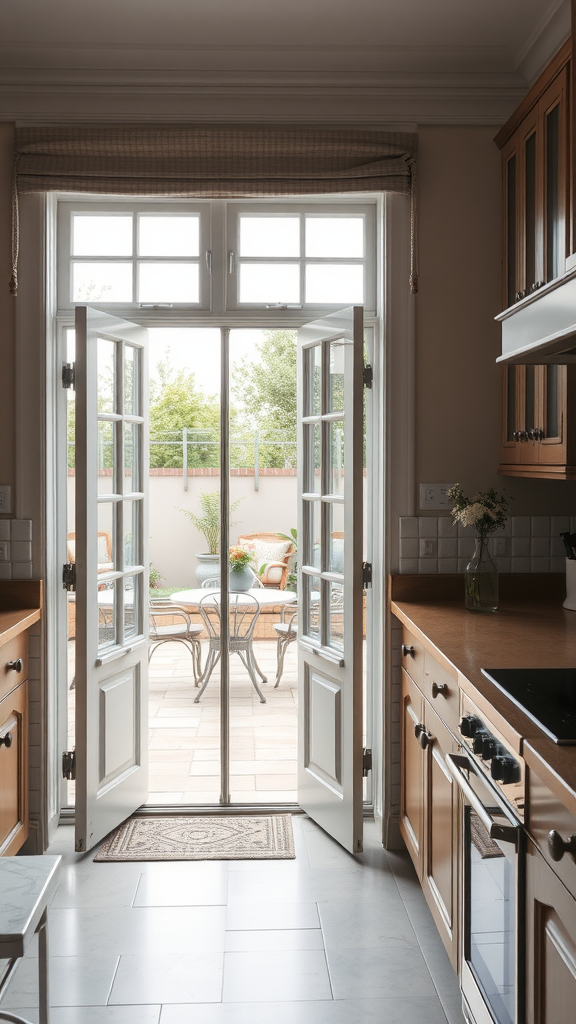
[
  {"x": 163, "y": 630},
  {"x": 244, "y": 612}
]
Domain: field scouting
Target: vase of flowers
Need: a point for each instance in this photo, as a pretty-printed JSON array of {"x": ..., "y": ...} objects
[
  {"x": 241, "y": 577},
  {"x": 486, "y": 512}
]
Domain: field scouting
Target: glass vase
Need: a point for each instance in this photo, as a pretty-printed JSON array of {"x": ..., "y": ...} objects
[{"x": 481, "y": 579}]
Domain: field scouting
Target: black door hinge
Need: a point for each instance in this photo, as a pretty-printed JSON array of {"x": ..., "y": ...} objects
[
  {"x": 69, "y": 576},
  {"x": 366, "y": 761},
  {"x": 366, "y": 574},
  {"x": 69, "y": 375},
  {"x": 367, "y": 376},
  {"x": 69, "y": 765}
]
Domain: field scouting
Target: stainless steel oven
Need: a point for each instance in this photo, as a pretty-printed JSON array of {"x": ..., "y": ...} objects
[{"x": 492, "y": 886}]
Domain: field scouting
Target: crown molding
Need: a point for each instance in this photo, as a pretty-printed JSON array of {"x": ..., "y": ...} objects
[{"x": 546, "y": 39}]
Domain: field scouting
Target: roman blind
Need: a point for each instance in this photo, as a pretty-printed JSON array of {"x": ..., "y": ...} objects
[{"x": 212, "y": 162}]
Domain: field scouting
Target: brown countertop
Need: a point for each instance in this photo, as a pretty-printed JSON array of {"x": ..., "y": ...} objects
[
  {"x": 531, "y": 629},
  {"x": 13, "y": 623},
  {"x": 20, "y": 606}
]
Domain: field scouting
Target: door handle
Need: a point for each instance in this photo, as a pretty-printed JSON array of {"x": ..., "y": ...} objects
[{"x": 457, "y": 764}]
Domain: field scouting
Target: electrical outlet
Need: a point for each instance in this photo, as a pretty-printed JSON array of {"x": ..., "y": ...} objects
[
  {"x": 4, "y": 550},
  {"x": 5, "y": 499},
  {"x": 427, "y": 547},
  {"x": 434, "y": 497}
]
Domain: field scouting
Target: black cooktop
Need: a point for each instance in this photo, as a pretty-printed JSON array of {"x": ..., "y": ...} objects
[{"x": 546, "y": 695}]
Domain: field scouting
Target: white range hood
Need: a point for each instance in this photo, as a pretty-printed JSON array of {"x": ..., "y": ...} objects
[{"x": 541, "y": 328}]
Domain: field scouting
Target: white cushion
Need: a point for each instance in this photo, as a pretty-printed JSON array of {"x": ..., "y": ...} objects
[{"x": 270, "y": 551}]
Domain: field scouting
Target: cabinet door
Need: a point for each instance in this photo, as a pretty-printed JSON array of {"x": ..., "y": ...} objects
[
  {"x": 440, "y": 874},
  {"x": 552, "y": 449},
  {"x": 412, "y": 773},
  {"x": 553, "y": 137},
  {"x": 14, "y": 770},
  {"x": 510, "y": 446},
  {"x": 550, "y": 944}
]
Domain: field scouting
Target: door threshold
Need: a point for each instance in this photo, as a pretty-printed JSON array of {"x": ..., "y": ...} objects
[{"x": 174, "y": 810}]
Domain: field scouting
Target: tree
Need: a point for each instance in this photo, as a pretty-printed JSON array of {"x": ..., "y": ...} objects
[
  {"x": 176, "y": 402},
  {"x": 265, "y": 390}
]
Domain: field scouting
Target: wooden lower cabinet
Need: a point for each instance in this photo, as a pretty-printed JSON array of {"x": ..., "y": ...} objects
[
  {"x": 429, "y": 819},
  {"x": 14, "y": 770},
  {"x": 550, "y": 944}
]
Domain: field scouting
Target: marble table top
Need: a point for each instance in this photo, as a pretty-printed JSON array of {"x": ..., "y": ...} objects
[{"x": 26, "y": 886}]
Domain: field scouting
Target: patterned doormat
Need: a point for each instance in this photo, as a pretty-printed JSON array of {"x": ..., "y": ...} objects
[{"x": 223, "y": 837}]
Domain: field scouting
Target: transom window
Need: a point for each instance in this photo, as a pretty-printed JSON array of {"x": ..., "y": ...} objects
[{"x": 217, "y": 256}]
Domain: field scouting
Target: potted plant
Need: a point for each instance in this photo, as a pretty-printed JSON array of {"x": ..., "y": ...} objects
[
  {"x": 241, "y": 576},
  {"x": 208, "y": 524}
]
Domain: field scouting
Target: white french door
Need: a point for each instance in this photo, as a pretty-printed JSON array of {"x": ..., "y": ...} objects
[
  {"x": 111, "y": 560},
  {"x": 330, "y": 528}
]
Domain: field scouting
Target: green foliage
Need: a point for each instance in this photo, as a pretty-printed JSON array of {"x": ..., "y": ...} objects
[
  {"x": 265, "y": 390},
  {"x": 208, "y": 523},
  {"x": 176, "y": 402}
]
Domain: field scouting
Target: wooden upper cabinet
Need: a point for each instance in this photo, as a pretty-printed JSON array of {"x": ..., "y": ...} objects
[{"x": 536, "y": 156}]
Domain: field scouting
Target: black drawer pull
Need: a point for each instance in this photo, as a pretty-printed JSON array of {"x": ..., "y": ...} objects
[
  {"x": 14, "y": 666},
  {"x": 425, "y": 738},
  {"x": 408, "y": 651},
  {"x": 6, "y": 739},
  {"x": 439, "y": 688},
  {"x": 557, "y": 846}
]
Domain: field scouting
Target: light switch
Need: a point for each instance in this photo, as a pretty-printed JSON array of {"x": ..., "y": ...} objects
[
  {"x": 4, "y": 550},
  {"x": 5, "y": 499},
  {"x": 427, "y": 547},
  {"x": 434, "y": 497}
]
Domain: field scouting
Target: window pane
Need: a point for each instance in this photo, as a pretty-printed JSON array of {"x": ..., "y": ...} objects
[
  {"x": 106, "y": 363},
  {"x": 336, "y": 616},
  {"x": 335, "y": 236},
  {"x": 168, "y": 282},
  {"x": 335, "y": 283},
  {"x": 336, "y": 557},
  {"x": 269, "y": 236},
  {"x": 132, "y": 553},
  {"x": 314, "y": 455},
  {"x": 311, "y": 586},
  {"x": 130, "y": 380},
  {"x": 102, "y": 236},
  {"x": 107, "y": 616},
  {"x": 106, "y": 536},
  {"x": 313, "y": 398},
  {"x": 102, "y": 282},
  {"x": 131, "y": 597},
  {"x": 336, "y": 379},
  {"x": 131, "y": 475},
  {"x": 168, "y": 236},
  {"x": 106, "y": 456},
  {"x": 336, "y": 450},
  {"x": 265, "y": 282},
  {"x": 312, "y": 553}
]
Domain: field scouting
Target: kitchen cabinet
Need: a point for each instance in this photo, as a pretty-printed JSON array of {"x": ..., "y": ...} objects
[
  {"x": 537, "y": 401},
  {"x": 429, "y": 819},
  {"x": 550, "y": 943},
  {"x": 13, "y": 744}
]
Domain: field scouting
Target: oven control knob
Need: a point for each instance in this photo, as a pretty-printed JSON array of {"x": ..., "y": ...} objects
[
  {"x": 480, "y": 737},
  {"x": 504, "y": 769},
  {"x": 489, "y": 748},
  {"x": 469, "y": 725}
]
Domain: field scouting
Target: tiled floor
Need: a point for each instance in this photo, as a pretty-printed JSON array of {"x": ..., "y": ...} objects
[{"x": 323, "y": 939}]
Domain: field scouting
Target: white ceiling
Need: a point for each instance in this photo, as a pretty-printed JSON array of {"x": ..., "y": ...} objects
[{"x": 391, "y": 48}]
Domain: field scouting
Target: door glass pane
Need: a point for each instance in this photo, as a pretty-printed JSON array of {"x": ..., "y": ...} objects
[
  {"x": 336, "y": 377},
  {"x": 97, "y": 235},
  {"x": 106, "y": 536},
  {"x": 107, "y": 616},
  {"x": 313, "y": 397},
  {"x": 334, "y": 283},
  {"x": 530, "y": 395},
  {"x": 106, "y": 363},
  {"x": 131, "y": 404},
  {"x": 511, "y": 229},
  {"x": 106, "y": 456},
  {"x": 510, "y": 402},
  {"x": 266, "y": 282},
  {"x": 336, "y": 544},
  {"x": 312, "y": 548},
  {"x": 336, "y": 616},
  {"x": 132, "y": 550},
  {"x": 553, "y": 224},
  {"x": 335, "y": 236},
  {"x": 132, "y": 586},
  {"x": 552, "y": 417},
  {"x": 270, "y": 236},
  {"x": 314, "y": 454},
  {"x": 131, "y": 475},
  {"x": 168, "y": 236},
  {"x": 102, "y": 282},
  {"x": 311, "y": 587},
  {"x": 530, "y": 157},
  {"x": 336, "y": 449},
  {"x": 168, "y": 282}
]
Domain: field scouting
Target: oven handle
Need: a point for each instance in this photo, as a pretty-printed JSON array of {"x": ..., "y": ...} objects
[{"x": 457, "y": 764}]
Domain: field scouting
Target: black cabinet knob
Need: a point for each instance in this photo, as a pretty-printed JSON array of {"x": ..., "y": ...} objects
[
  {"x": 469, "y": 725},
  {"x": 557, "y": 846},
  {"x": 439, "y": 688},
  {"x": 6, "y": 739},
  {"x": 407, "y": 651},
  {"x": 418, "y": 729},
  {"x": 479, "y": 736},
  {"x": 425, "y": 738},
  {"x": 504, "y": 769},
  {"x": 489, "y": 748},
  {"x": 14, "y": 666}
]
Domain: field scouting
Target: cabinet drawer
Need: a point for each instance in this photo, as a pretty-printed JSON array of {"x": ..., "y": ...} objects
[
  {"x": 14, "y": 770},
  {"x": 412, "y": 656},
  {"x": 441, "y": 689},
  {"x": 547, "y": 814},
  {"x": 10, "y": 654}
]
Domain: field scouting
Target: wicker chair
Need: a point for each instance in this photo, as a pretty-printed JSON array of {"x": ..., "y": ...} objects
[{"x": 275, "y": 573}]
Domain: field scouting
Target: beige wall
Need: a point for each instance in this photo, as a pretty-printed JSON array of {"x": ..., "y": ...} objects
[
  {"x": 457, "y": 341},
  {"x": 7, "y": 309}
]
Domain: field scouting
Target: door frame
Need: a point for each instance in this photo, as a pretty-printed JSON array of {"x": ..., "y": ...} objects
[{"x": 37, "y": 380}]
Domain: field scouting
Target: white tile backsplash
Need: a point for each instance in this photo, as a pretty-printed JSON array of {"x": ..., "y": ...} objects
[
  {"x": 19, "y": 534},
  {"x": 527, "y": 544}
]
